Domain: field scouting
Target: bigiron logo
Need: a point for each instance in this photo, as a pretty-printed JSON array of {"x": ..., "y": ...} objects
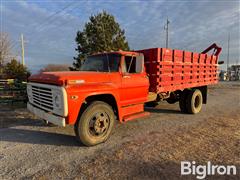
[{"x": 201, "y": 171}]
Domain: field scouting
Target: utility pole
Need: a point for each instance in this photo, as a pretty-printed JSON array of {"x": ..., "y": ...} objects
[
  {"x": 228, "y": 52},
  {"x": 228, "y": 70},
  {"x": 22, "y": 45},
  {"x": 166, "y": 28}
]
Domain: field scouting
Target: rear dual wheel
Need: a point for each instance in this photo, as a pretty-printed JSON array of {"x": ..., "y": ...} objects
[
  {"x": 95, "y": 124},
  {"x": 183, "y": 100},
  {"x": 191, "y": 101}
]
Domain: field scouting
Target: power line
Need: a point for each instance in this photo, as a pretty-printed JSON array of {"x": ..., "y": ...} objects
[
  {"x": 64, "y": 24},
  {"x": 49, "y": 19},
  {"x": 45, "y": 22},
  {"x": 53, "y": 19},
  {"x": 54, "y": 14}
]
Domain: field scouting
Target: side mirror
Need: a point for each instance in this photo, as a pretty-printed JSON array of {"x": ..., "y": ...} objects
[{"x": 220, "y": 62}]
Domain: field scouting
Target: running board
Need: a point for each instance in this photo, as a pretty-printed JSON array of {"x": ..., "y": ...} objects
[{"x": 135, "y": 116}]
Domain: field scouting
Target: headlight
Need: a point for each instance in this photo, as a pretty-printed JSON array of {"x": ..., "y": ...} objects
[{"x": 57, "y": 100}]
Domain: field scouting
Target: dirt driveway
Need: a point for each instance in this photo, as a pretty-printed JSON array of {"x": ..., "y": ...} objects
[{"x": 147, "y": 148}]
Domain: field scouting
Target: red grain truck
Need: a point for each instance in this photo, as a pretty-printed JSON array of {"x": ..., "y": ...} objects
[{"x": 116, "y": 85}]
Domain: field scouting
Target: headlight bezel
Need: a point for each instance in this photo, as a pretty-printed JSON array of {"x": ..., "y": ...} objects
[{"x": 57, "y": 105}]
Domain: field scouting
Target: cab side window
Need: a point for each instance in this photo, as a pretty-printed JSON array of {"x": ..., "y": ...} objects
[
  {"x": 130, "y": 62},
  {"x": 132, "y": 65}
]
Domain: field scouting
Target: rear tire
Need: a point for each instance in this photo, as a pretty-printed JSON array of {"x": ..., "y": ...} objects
[
  {"x": 95, "y": 124},
  {"x": 194, "y": 101},
  {"x": 183, "y": 101}
]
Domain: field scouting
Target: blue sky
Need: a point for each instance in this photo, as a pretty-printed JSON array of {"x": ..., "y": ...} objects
[{"x": 50, "y": 27}]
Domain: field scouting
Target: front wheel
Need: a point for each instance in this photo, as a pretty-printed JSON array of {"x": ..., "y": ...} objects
[{"x": 95, "y": 124}]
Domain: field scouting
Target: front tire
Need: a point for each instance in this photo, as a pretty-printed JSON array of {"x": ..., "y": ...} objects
[{"x": 95, "y": 124}]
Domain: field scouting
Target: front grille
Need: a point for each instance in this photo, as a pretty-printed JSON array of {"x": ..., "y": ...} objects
[{"x": 42, "y": 97}]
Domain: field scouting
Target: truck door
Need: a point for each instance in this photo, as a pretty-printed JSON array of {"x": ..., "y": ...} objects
[{"x": 135, "y": 82}]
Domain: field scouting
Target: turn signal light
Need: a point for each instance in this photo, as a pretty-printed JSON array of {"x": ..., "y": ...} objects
[{"x": 72, "y": 82}]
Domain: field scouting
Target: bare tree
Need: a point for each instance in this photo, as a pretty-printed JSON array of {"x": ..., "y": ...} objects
[
  {"x": 55, "y": 67},
  {"x": 5, "y": 47}
]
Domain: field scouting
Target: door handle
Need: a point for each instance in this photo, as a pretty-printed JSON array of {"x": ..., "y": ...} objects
[{"x": 126, "y": 76}]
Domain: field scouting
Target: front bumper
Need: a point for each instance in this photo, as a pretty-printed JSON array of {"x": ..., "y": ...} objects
[{"x": 57, "y": 120}]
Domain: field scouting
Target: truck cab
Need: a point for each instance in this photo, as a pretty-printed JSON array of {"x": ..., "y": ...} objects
[{"x": 109, "y": 86}]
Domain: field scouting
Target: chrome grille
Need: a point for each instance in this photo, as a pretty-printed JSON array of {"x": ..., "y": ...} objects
[{"x": 42, "y": 97}]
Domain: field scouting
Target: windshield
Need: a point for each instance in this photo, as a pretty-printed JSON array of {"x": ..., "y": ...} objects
[{"x": 102, "y": 63}]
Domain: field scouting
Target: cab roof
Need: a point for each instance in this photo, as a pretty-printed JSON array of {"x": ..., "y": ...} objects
[{"x": 119, "y": 52}]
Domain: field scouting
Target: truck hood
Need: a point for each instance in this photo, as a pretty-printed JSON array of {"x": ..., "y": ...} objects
[{"x": 60, "y": 78}]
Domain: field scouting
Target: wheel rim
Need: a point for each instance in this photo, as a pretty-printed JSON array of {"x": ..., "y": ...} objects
[
  {"x": 99, "y": 124},
  {"x": 197, "y": 102}
]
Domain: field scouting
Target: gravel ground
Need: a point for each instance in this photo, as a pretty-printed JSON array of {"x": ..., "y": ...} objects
[{"x": 147, "y": 148}]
